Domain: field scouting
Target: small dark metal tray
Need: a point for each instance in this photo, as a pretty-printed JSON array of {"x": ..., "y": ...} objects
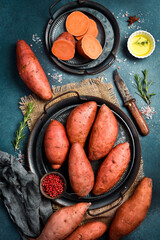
[
  {"x": 108, "y": 36},
  {"x": 60, "y": 111}
]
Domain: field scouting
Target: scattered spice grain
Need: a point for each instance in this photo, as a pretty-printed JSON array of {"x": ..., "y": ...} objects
[{"x": 148, "y": 111}]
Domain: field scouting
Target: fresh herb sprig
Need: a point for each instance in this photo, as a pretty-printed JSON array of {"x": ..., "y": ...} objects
[
  {"x": 143, "y": 85},
  {"x": 141, "y": 43},
  {"x": 19, "y": 133}
]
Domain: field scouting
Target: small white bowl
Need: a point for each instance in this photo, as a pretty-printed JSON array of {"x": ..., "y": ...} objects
[{"x": 149, "y": 36}]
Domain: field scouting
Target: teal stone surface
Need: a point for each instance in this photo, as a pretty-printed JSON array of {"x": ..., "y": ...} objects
[{"x": 27, "y": 20}]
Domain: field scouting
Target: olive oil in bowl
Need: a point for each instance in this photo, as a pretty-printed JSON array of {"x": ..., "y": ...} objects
[{"x": 141, "y": 44}]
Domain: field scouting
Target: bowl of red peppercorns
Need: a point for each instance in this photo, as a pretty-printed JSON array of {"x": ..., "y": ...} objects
[{"x": 53, "y": 185}]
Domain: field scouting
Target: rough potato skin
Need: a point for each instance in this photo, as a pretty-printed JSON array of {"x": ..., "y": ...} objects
[
  {"x": 68, "y": 37},
  {"x": 88, "y": 231},
  {"x": 63, "y": 222},
  {"x": 132, "y": 212},
  {"x": 81, "y": 174},
  {"x": 103, "y": 135},
  {"x": 80, "y": 121},
  {"x": 112, "y": 168},
  {"x": 56, "y": 144},
  {"x": 31, "y": 71}
]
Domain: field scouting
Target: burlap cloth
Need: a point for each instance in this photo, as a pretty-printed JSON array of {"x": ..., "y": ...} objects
[{"x": 93, "y": 87}]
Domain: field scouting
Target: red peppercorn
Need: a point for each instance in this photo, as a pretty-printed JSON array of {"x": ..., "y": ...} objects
[{"x": 53, "y": 185}]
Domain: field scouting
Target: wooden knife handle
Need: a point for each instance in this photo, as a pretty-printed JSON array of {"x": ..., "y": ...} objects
[{"x": 137, "y": 116}]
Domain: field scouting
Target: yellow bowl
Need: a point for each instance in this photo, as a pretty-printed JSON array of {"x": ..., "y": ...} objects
[{"x": 141, "y": 44}]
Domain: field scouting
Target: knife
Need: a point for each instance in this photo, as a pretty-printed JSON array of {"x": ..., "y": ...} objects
[{"x": 130, "y": 102}]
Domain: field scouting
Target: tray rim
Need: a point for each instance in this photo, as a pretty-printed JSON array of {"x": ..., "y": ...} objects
[
  {"x": 89, "y": 61},
  {"x": 106, "y": 63}
]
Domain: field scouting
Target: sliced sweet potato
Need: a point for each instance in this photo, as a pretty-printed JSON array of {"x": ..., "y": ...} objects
[
  {"x": 89, "y": 47},
  {"x": 64, "y": 46},
  {"x": 92, "y": 30},
  {"x": 77, "y": 23}
]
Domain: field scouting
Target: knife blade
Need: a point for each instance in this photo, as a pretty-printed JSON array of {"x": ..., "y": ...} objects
[{"x": 130, "y": 102}]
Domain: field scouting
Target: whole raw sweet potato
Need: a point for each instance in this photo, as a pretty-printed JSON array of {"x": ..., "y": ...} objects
[
  {"x": 132, "y": 212},
  {"x": 81, "y": 174},
  {"x": 31, "y": 71},
  {"x": 80, "y": 121},
  {"x": 112, "y": 168},
  {"x": 88, "y": 231},
  {"x": 56, "y": 144},
  {"x": 103, "y": 134},
  {"x": 63, "y": 222}
]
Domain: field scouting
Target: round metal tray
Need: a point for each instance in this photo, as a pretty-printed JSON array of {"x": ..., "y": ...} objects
[
  {"x": 60, "y": 111},
  {"x": 58, "y": 27},
  {"x": 108, "y": 36}
]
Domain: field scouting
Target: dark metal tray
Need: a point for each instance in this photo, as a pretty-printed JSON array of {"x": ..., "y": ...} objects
[
  {"x": 60, "y": 111},
  {"x": 108, "y": 36}
]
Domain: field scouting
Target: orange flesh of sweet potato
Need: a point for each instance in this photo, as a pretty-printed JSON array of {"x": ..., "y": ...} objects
[
  {"x": 132, "y": 212},
  {"x": 81, "y": 174},
  {"x": 89, "y": 47},
  {"x": 92, "y": 30},
  {"x": 56, "y": 144},
  {"x": 88, "y": 231},
  {"x": 80, "y": 121},
  {"x": 68, "y": 37},
  {"x": 31, "y": 71},
  {"x": 64, "y": 46},
  {"x": 77, "y": 23},
  {"x": 103, "y": 134},
  {"x": 63, "y": 222},
  {"x": 112, "y": 168}
]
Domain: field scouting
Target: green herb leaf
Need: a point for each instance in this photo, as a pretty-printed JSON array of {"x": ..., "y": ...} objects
[
  {"x": 143, "y": 85},
  {"x": 152, "y": 94},
  {"x": 19, "y": 133},
  {"x": 141, "y": 43}
]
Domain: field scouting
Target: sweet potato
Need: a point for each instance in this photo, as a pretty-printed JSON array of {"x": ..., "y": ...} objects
[
  {"x": 77, "y": 23},
  {"x": 64, "y": 46},
  {"x": 88, "y": 231},
  {"x": 63, "y": 222},
  {"x": 56, "y": 144},
  {"x": 132, "y": 212},
  {"x": 89, "y": 47},
  {"x": 112, "y": 168},
  {"x": 92, "y": 30},
  {"x": 103, "y": 134},
  {"x": 31, "y": 71},
  {"x": 81, "y": 174},
  {"x": 80, "y": 121}
]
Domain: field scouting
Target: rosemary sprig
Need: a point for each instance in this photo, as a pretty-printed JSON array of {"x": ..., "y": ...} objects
[
  {"x": 141, "y": 43},
  {"x": 19, "y": 133},
  {"x": 143, "y": 85}
]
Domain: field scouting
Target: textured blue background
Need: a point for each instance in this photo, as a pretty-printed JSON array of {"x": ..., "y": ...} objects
[{"x": 27, "y": 20}]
